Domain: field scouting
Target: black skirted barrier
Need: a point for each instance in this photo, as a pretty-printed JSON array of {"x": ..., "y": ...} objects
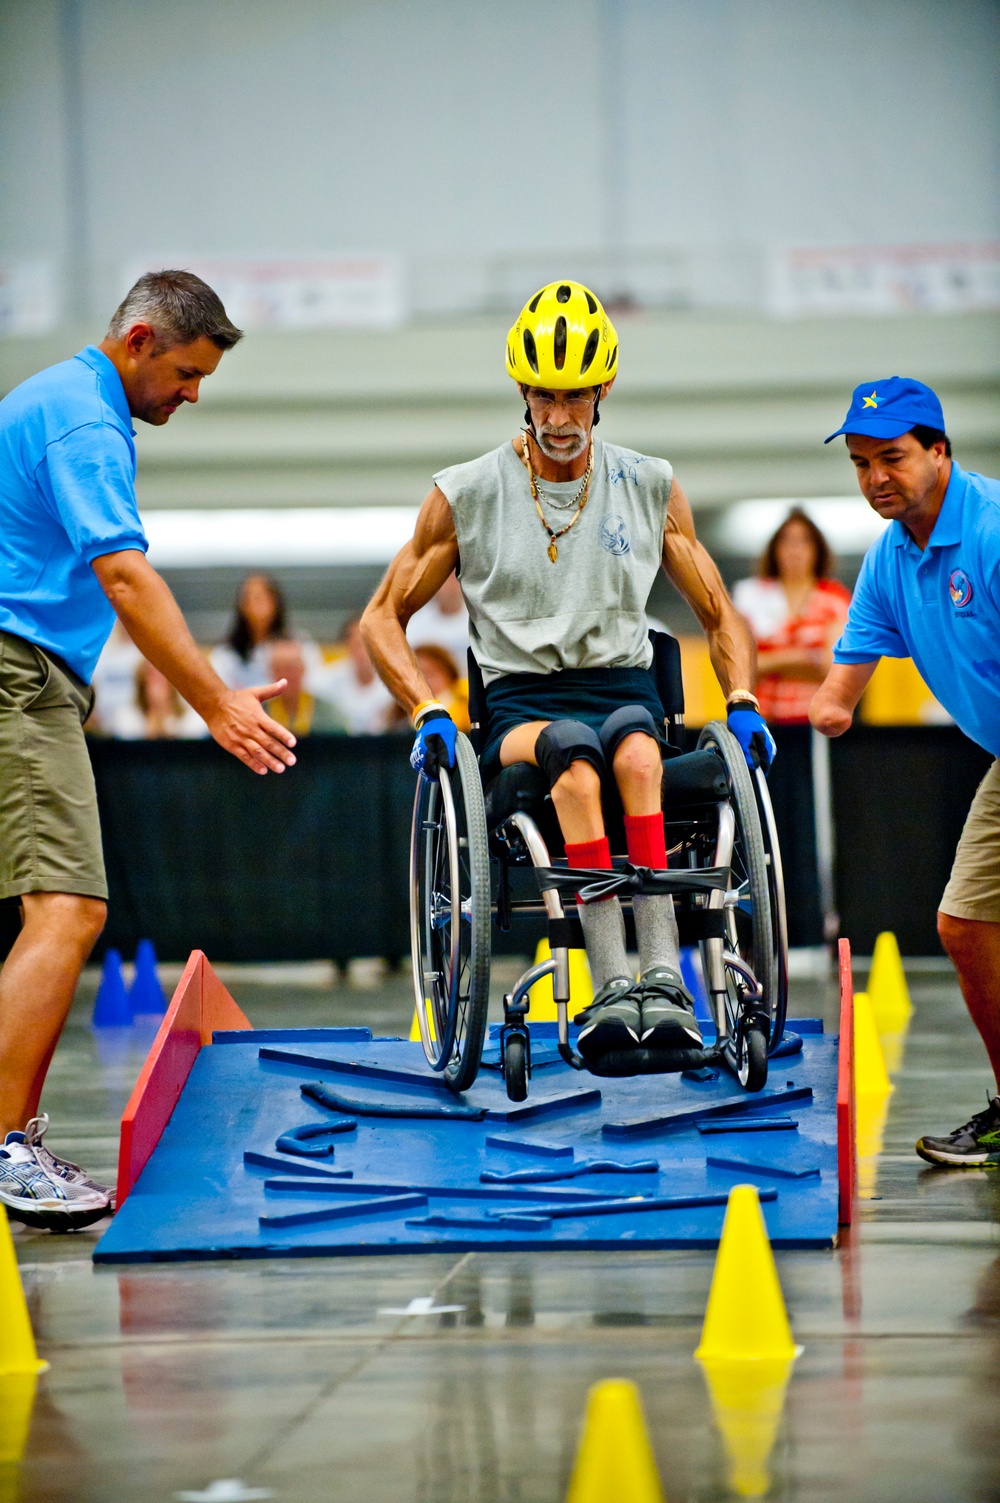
[{"x": 201, "y": 853}]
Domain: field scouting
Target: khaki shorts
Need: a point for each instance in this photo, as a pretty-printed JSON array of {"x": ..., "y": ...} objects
[
  {"x": 973, "y": 890},
  {"x": 50, "y": 834}
]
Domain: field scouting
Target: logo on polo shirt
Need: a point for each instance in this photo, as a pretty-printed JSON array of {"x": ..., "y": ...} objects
[{"x": 959, "y": 588}]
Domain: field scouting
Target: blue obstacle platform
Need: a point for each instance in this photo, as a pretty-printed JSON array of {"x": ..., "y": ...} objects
[{"x": 451, "y": 1174}]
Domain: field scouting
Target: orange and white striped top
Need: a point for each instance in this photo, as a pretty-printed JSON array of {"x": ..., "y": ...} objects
[{"x": 764, "y": 605}]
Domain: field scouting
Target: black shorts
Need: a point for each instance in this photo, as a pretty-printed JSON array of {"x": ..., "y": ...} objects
[{"x": 587, "y": 694}]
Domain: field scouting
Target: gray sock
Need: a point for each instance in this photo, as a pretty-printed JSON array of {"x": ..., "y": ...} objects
[
  {"x": 604, "y": 935},
  {"x": 656, "y": 932}
]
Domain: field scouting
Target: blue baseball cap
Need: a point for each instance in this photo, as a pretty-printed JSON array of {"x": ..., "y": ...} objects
[{"x": 885, "y": 409}]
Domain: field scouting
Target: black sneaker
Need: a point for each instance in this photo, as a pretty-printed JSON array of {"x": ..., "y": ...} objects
[
  {"x": 611, "y": 1021},
  {"x": 971, "y": 1146},
  {"x": 668, "y": 1020}
]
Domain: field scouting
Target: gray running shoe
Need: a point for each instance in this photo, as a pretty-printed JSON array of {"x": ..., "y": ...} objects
[
  {"x": 668, "y": 1020},
  {"x": 971, "y": 1146},
  {"x": 44, "y": 1191},
  {"x": 611, "y": 1021}
]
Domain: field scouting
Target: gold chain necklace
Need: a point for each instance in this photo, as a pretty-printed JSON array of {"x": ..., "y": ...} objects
[{"x": 579, "y": 500}]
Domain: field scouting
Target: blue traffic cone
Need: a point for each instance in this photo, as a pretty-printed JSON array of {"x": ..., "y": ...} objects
[
  {"x": 146, "y": 997},
  {"x": 692, "y": 978},
  {"x": 111, "y": 1005}
]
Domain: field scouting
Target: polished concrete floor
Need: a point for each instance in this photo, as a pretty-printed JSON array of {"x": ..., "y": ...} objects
[{"x": 287, "y": 1375}]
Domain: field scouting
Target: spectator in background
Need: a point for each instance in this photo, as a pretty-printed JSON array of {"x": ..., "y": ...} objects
[
  {"x": 114, "y": 681},
  {"x": 261, "y": 617},
  {"x": 155, "y": 711},
  {"x": 447, "y": 685},
  {"x": 796, "y": 612},
  {"x": 443, "y": 622},
  {"x": 295, "y": 708},
  {"x": 351, "y": 687}
]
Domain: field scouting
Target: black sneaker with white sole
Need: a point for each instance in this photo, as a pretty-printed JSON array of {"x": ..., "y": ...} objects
[
  {"x": 973, "y": 1145},
  {"x": 611, "y": 1021},
  {"x": 667, "y": 1007}
]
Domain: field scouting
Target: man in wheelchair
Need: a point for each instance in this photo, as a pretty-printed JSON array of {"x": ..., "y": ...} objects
[{"x": 557, "y": 537}]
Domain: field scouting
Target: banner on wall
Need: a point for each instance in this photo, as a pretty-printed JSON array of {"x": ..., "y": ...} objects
[
  {"x": 885, "y": 279},
  {"x": 336, "y": 292},
  {"x": 29, "y": 297}
]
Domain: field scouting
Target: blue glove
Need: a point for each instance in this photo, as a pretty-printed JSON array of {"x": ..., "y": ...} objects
[
  {"x": 750, "y": 730},
  {"x": 435, "y": 743}
]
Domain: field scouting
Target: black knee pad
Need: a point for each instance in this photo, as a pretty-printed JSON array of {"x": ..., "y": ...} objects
[
  {"x": 626, "y": 722},
  {"x": 564, "y": 742}
]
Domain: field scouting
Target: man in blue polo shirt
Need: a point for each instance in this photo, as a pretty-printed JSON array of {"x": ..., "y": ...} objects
[
  {"x": 72, "y": 555},
  {"x": 929, "y": 589}
]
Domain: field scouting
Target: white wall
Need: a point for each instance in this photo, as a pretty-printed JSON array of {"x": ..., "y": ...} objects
[{"x": 457, "y": 133}]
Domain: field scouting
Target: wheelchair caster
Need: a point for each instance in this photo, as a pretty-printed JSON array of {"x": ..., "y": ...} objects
[
  {"x": 514, "y": 1048},
  {"x": 753, "y": 1069}
]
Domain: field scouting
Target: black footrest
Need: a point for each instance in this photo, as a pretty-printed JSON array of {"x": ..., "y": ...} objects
[{"x": 653, "y": 1061}]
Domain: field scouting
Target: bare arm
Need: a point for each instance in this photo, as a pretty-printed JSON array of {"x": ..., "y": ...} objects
[
  {"x": 415, "y": 575},
  {"x": 834, "y": 702},
  {"x": 689, "y": 567},
  {"x": 152, "y": 618}
]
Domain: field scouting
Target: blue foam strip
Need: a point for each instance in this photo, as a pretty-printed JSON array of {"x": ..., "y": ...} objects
[
  {"x": 751, "y": 1124},
  {"x": 638, "y": 1125},
  {"x": 423, "y": 1079},
  {"x": 510, "y": 1222},
  {"x": 546, "y": 1106},
  {"x": 407, "y": 1111},
  {"x": 392, "y": 1203},
  {"x": 546, "y": 1176},
  {"x": 311, "y": 1171},
  {"x": 293, "y": 1036},
  {"x": 747, "y": 1166},
  {"x": 525, "y": 1145},
  {"x": 448, "y": 1192}
]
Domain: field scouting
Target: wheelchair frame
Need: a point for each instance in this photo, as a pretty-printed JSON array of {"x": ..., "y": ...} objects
[{"x": 740, "y": 928}]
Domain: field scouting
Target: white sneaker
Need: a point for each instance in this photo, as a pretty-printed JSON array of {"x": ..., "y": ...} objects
[{"x": 44, "y": 1191}]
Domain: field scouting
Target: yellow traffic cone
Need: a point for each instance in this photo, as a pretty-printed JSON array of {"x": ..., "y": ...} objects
[
  {"x": 887, "y": 989},
  {"x": 415, "y": 1025},
  {"x": 614, "y": 1462},
  {"x": 871, "y": 1111},
  {"x": 581, "y": 987},
  {"x": 746, "y": 1316},
  {"x": 748, "y": 1397},
  {"x": 17, "y": 1342},
  {"x": 870, "y": 1076},
  {"x": 17, "y": 1397}
]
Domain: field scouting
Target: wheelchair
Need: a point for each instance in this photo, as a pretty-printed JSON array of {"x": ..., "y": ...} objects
[{"x": 481, "y": 855}]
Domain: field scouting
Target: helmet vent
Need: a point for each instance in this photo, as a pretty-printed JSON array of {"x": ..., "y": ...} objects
[
  {"x": 611, "y": 359},
  {"x": 591, "y": 300},
  {"x": 559, "y": 342},
  {"x": 590, "y": 350},
  {"x": 530, "y": 351},
  {"x": 535, "y": 301},
  {"x": 564, "y": 294}
]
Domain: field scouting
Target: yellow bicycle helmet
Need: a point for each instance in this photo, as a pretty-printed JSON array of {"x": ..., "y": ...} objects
[{"x": 563, "y": 340}]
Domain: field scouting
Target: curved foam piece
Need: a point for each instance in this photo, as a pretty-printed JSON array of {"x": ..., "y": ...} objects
[{"x": 308, "y": 1141}]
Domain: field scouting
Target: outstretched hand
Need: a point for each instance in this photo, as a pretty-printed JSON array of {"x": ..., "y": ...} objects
[{"x": 243, "y": 727}]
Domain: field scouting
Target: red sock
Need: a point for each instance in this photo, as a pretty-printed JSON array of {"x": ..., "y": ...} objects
[
  {"x": 596, "y": 853},
  {"x": 645, "y": 840}
]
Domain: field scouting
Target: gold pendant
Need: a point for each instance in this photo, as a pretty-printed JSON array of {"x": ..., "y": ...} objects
[{"x": 553, "y": 552}]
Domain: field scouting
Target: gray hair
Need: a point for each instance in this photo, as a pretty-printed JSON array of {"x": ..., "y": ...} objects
[{"x": 179, "y": 307}]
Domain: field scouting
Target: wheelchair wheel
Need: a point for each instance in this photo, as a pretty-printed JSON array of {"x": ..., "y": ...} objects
[
  {"x": 753, "y": 940},
  {"x": 450, "y": 917}
]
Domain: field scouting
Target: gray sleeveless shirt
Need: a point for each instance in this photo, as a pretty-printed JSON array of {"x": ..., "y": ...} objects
[{"x": 588, "y": 609}]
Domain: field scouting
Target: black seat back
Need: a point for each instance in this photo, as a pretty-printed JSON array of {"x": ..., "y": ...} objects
[{"x": 477, "y": 704}]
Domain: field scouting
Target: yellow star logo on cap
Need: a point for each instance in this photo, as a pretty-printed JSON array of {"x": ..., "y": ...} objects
[{"x": 871, "y": 401}]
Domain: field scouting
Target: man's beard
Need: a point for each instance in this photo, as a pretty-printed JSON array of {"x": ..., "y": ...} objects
[{"x": 566, "y": 453}]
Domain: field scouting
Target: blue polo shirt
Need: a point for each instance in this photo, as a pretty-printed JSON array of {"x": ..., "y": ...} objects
[
  {"x": 67, "y": 496},
  {"x": 939, "y": 606}
]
